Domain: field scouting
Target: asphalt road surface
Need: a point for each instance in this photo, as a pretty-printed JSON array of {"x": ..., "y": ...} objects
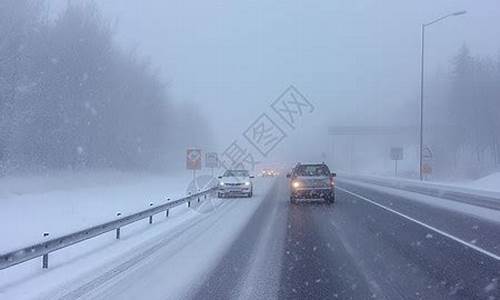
[{"x": 368, "y": 245}]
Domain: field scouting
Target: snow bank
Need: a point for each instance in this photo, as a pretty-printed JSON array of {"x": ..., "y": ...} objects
[
  {"x": 64, "y": 203},
  {"x": 459, "y": 187},
  {"x": 178, "y": 239},
  {"x": 489, "y": 183}
]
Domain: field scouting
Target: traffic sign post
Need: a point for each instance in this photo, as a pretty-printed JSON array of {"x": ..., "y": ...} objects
[
  {"x": 211, "y": 161},
  {"x": 396, "y": 154},
  {"x": 193, "y": 160},
  {"x": 427, "y": 159},
  {"x": 426, "y": 168},
  {"x": 427, "y": 153}
]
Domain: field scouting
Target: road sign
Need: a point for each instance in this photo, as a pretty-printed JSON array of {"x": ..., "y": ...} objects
[
  {"x": 426, "y": 168},
  {"x": 193, "y": 159},
  {"x": 211, "y": 160},
  {"x": 427, "y": 153},
  {"x": 396, "y": 153}
]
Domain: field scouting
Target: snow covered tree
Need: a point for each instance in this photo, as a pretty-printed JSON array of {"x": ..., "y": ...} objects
[{"x": 70, "y": 97}]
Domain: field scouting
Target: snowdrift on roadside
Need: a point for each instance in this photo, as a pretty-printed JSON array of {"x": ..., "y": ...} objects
[{"x": 490, "y": 182}]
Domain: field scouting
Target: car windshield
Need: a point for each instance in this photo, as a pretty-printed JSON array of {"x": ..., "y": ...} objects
[
  {"x": 236, "y": 173},
  {"x": 312, "y": 170}
]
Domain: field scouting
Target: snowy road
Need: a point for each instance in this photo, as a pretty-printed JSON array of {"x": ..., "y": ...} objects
[
  {"x": 371, "y": 244},
  {"x": 355, "y": 250}
]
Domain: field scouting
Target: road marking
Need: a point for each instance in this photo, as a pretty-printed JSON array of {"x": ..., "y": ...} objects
[{"x": 467, "y": 244}]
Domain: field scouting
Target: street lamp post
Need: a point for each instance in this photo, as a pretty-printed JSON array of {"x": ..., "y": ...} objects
[{"x": 422, "y": 84}]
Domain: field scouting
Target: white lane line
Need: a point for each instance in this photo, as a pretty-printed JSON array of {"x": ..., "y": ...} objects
[{"x": 467, "y": 244}]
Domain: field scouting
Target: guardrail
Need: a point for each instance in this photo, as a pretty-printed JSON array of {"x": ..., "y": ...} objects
[
  {"x": 485, "y": 199},
  {"x": 44, "y": 248}
]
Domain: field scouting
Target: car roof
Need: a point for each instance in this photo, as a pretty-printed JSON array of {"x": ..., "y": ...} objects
[{"x": 312, "y": 164}]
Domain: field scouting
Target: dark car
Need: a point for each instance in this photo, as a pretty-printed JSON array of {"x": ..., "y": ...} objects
[{"x": 312, "y": 181}]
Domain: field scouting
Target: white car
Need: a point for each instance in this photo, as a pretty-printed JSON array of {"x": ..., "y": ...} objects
[{"x": 235, "y": 183}]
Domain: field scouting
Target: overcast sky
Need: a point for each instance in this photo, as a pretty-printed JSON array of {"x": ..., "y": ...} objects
[{"x": 356, "y": 61}]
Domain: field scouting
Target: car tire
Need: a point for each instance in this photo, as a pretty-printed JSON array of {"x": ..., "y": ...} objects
[
  {"x": 219, "y": 195},
  {"x": 330, "y": 199},
  {"x": 293, "y": 200},
  {"x": 250, "y": 195}
]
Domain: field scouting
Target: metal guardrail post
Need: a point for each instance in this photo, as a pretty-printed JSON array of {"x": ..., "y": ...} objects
[
  {"x": 118, "y": 214},
  {"x": 151, "y": 217},
  {"x": 45, "y": 257},
  {"x": 45, "y": 261},
  {"x": 166, "y": 212}
]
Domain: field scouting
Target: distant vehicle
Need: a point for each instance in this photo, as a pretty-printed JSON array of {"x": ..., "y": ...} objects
[
  {"x": 269, "y": 173},
  {"x": 235, "y": 183},
  {"x": 312, "y": 181}
]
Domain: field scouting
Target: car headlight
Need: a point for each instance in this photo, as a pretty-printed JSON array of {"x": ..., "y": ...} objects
[
  {"x": 221, "y": 183},
  {"x": 247, "y": 183},
  {"x": 296, "y": 184}
]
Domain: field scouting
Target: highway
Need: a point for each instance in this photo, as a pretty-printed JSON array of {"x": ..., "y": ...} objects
[{"x": 368, "y": 245}]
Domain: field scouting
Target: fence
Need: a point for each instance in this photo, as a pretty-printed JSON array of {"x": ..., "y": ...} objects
[{"x": 44, "y": 248}]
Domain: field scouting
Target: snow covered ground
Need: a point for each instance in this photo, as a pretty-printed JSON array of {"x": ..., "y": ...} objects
[
  {"x": 487, "y": 183},
  {"x": 66, "y": 202},
  {"x": 63, "y": 204},
  {"x": 488, "y": 186}
]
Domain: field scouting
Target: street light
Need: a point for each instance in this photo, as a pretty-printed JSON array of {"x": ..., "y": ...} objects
[{"x": 458, "y": 13}]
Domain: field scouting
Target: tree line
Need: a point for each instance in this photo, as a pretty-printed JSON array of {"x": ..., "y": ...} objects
[
  {"x": 466, "y": 137},
  {"x": 71, "y": 98}
]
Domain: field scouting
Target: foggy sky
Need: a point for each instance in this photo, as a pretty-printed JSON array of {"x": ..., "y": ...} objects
[{"x": 356, "y": 61}]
